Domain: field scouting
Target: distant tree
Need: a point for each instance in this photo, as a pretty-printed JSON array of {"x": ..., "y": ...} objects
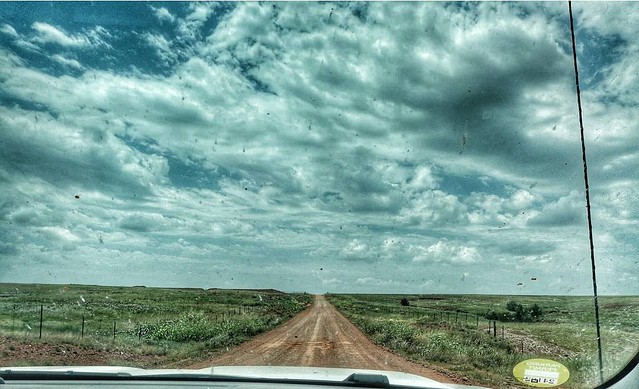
[{"x": 404, "y": 302}]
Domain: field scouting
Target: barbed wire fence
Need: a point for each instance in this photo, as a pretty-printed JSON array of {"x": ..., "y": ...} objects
[
  {"x": 34, "y": 322},
  {"x": 451, "y": 319}
]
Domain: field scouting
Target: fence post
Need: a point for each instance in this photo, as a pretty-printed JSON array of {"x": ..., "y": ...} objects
[
  {"x": 502, "y": 332},
  {"x": 41, "y": 313},
  {"x": 494, "y": 328},
  {"x": 113, "y": 330},
  {"x": 477, "y": 317},
  {"x": 140, "y": 332},
  {"x": 82, "y": 333}
]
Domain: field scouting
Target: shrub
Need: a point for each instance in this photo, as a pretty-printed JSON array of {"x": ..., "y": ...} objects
[
  {"x": 514, "y": 306},
  {"x": 195, "y": 326},
  {"x": 516, "y": 312}
]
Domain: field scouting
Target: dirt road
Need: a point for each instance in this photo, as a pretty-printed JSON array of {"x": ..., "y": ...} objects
[{"x": 319, "y": 337}]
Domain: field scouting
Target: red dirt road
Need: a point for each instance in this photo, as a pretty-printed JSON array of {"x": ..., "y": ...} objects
[{"x": 319, "y": 337}]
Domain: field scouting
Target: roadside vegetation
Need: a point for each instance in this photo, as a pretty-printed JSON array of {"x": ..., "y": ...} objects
[
  {"x": 483, "y": 337},
  {"x": 133, "y": 326}
]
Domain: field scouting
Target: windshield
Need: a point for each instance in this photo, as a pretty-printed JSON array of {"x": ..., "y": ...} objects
[{"x": 383, "y": 185}]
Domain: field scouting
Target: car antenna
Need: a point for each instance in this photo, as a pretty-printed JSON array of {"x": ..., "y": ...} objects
[{"x": 587, "y": 187}]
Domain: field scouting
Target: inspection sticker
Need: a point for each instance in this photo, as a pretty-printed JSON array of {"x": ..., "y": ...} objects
[{"x": 541, "y": 373}]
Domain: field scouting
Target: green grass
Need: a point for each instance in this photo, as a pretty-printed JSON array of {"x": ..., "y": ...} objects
[
  {"x": 172, "y": 324},
  {"x": 449, "y": 331}
]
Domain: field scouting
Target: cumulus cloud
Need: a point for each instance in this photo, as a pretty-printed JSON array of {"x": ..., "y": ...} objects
[
  {"x": 566, "y": 210},
  {"x": 276, "y": 136},
  {"x": 162, "y": 46},
  {"x": 198, "y": 14},
  {"x": 8, "y": 30},
  {"x": 51, "y": 34},
  {"x": 513, "y": 210},
  {"x": 163, "y": 14},
  {"x": 72, "y": 63},
  {"x": 444, "y": 251},
  {"x": 434, "y": 208},
  {"x": 423, "y": 179},
  {"x": 356, "y": 250},
  {"x": 59, "y": 234}
]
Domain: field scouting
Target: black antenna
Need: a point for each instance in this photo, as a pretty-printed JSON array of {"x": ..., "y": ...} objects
[{"x": 583, "y": 155}]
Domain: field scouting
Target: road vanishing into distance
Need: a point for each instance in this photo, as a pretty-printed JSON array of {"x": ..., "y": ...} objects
[{"x": 320, "y": 336}]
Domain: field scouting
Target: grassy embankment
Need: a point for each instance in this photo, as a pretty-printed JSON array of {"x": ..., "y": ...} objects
[
  {"x": 565, "y": 332},
  {"x": 153, "y": 326}
]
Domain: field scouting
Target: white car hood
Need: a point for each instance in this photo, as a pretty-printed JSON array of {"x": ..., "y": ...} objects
[{"x": 262, "y": 372}]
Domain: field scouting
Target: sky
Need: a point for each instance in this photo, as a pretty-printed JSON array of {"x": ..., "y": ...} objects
[{"x": 320, "y": 147}]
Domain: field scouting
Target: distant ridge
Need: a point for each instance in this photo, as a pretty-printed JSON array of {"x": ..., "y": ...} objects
[
  {"x": 22, "y": 284},
  {"x": 268, "y": 291}
]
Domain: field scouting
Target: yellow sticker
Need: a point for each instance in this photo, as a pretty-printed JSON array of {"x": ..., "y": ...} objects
[{"x": 541, "y": 373}]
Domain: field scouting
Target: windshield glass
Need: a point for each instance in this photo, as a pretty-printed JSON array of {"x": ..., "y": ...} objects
[{"x": 385, "y": 186}]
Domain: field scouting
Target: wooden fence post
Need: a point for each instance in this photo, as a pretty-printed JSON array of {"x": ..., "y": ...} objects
[
  {"x": 82, "y": 333},
  {"x": 41, "y": 313}
]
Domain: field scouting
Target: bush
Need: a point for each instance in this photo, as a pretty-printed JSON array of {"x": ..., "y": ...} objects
[
  {"x": 404, "y": 302},
  {"x": 536, "y": 312},
  {"x": 516, "y": 312},
  {"x": 514, "y": 306}
]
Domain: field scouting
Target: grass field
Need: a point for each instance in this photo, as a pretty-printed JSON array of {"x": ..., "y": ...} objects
[
  {"x": 156, "y": 327},
  {"x": 152, "y": 326},
  {"x": 451, "y": 331}
]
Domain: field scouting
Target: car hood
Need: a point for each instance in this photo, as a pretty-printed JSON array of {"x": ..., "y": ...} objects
[{"x": 279, "y": 373}]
